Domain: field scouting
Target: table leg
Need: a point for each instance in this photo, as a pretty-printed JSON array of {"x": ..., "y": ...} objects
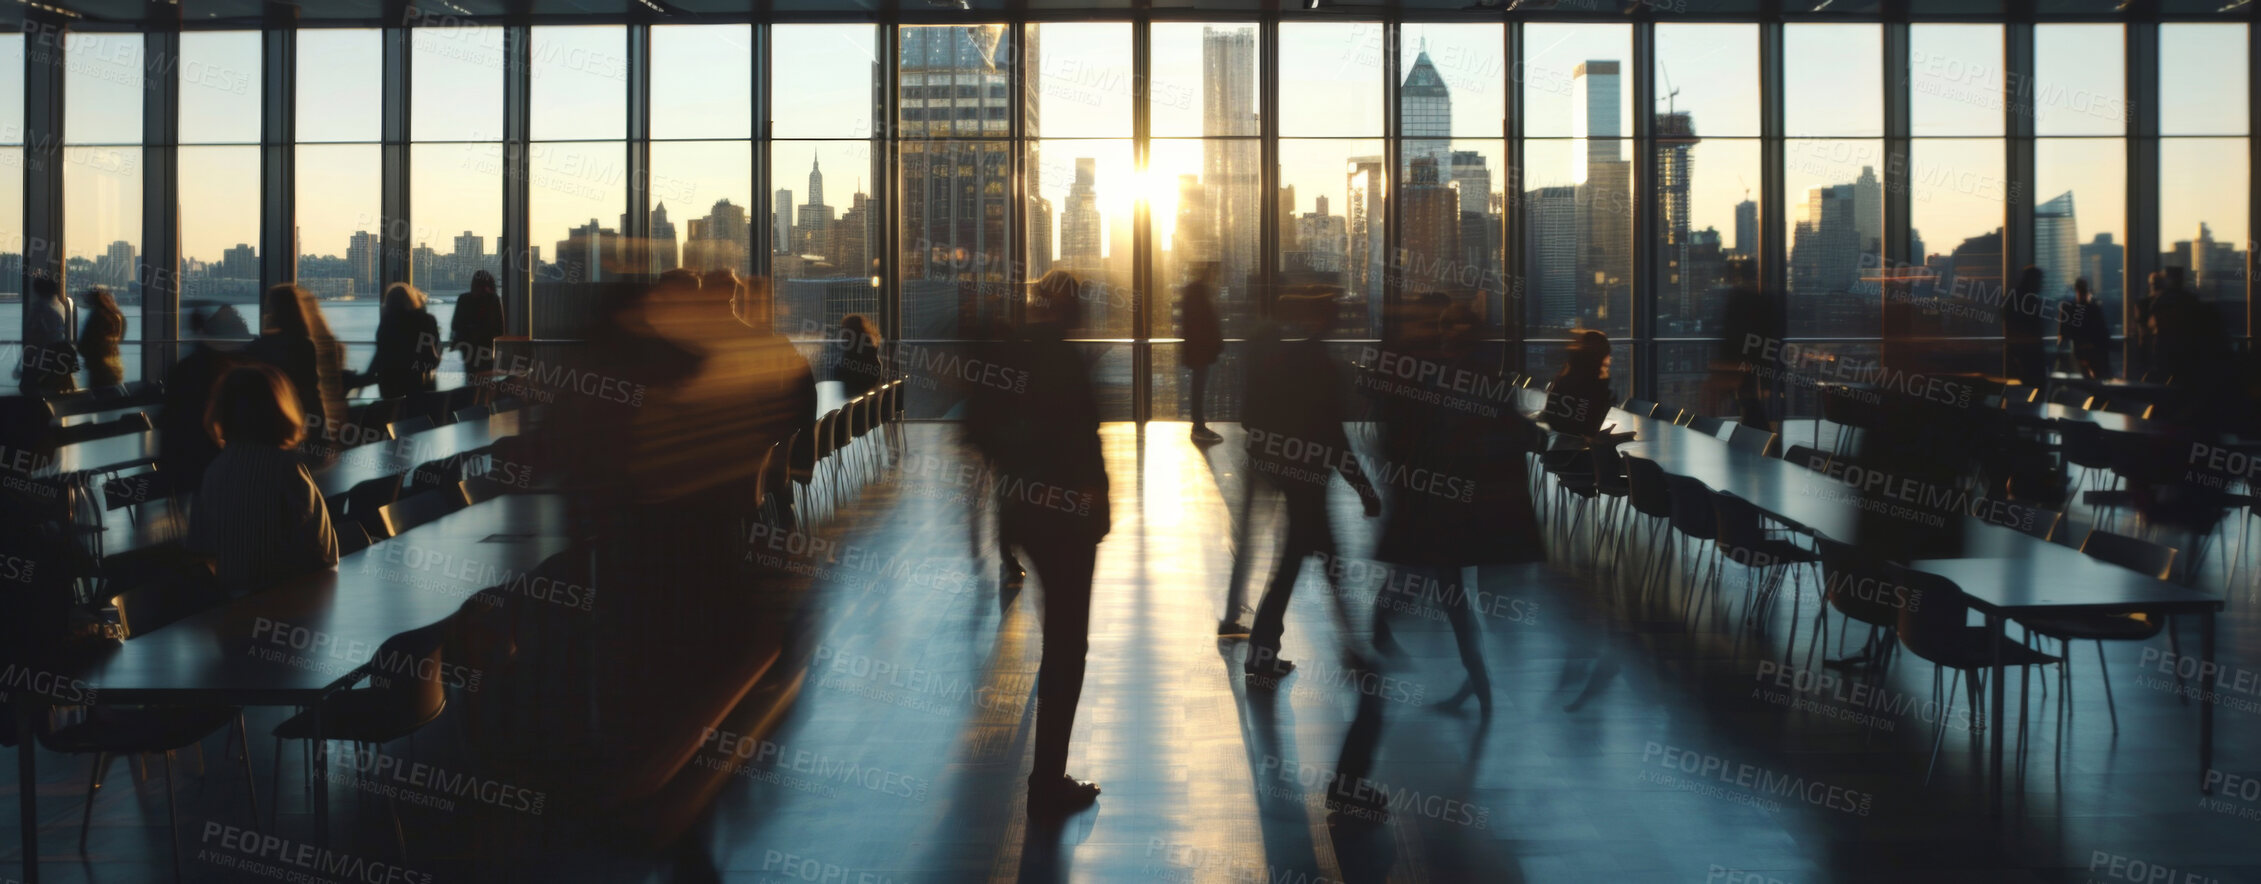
[
  {"x": 1995, "y": 637},
  {"x": 2205, "y": 703},
  {"x": 27, "y": 783},
  {"x": 321, "y": 777}
]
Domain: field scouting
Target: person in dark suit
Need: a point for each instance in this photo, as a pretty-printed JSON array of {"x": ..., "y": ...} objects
[
  {"x": 477, "y": 322},
  {"x": 408, "y": 344},
  {"x": 184, "y": 446},
  {"x": 1581, "y": 395},
  {"x": 1204, "y": 342},
  {"x": 1750, "y": 329},
  {"x": 1053, "y": 507},
  {"x": 2084, "y": 325},
  {"x": 296, "y": 340},
  {"x": 1295, "y": 414}
]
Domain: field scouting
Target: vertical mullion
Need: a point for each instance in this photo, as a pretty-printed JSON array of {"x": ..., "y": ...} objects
[
  {"x": 2142, "y": 253},
  {"x": 160, "y": 204},
  {"x": 1016, "y": 158},
  {"x": 2019, "y": 248},
  {"x": 1642, "y": 153},
  {"x": 278, "y": 150},
  {"x": 2253, "y": 162},
  {"x": 1268, "y": 177},
  {"x": 1774, "y": 228},
  {"x": 886, "y": 145},
  {"x": 765, "y": 202},
  {"x": 394, "y": 231},
  {"x": 1394, "y": 184},
  {"x": 517, "y": 234},
  {"x": 1515, "y": 256},
  {"x": 1144, "y": 299},
  {"x": 1893, "y": 251},
  {"x": 636, "y": 225}
]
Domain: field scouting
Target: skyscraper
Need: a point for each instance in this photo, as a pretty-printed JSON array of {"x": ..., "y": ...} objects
[
  {"x": 1425, "y": 112},
  {"x": 2104, "y": 262},
  {"x": 1675, "y": 144},
  {"x": 361, "y": 260},
  {"x": 1431, "y": 233},
  {"x": 781, "y": 219},
  {"x": 241, "y": 262},
  {"x": 812, "y": 224},
  {"x": 1551, "y": 241},
  {"x": 1079, "y": 217},
  {"x": 1368, "y": 260},
  {"x": 2056, "y": 245},
  {"x": 1229, "y": 167},
  {"x": 956, "y": 194},
  {"x": 1605, "y": 219},
  {"x": 1594, "y": 108},
  {"x": 1747, "y": 228},
  {"x": 663, "y": 249}
]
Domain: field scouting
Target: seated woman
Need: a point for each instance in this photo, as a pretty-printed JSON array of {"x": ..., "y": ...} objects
[
  {"x": 1580, "y": 399},
  {"x": 258, "y": 514}
]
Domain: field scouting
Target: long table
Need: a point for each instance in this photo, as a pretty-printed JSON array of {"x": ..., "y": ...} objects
[
  {"x": 392, "y": 457},
  {"x": 2006, "y": 573},
  {"x": 247, "y": 653}
]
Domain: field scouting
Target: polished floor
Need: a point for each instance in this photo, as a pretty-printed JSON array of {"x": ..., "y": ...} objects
[{"x": 1625, "y": 745}]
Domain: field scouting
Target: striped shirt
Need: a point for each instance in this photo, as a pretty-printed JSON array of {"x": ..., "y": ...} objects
[{"x": 261, "y": 518}]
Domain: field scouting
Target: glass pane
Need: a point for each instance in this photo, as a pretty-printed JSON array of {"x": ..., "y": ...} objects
[
  {"x": 12, "y": 92},
  {"x": 11, "y": 239},
  {"x": 1710, "y": 74},
  {"x": 1337, "y": 191},
  {"x": 1080, "y": 222},
  {"x": 1202, "y": 198},
  {"x": 577, "y": 194},
  {"x": 339, "y": 212},
  {"x": 340, "y": 84},
  {"x": 1331, "y": 78},
  {"x": 1451, "y": 202},
  {"x": 219, "y": 226},
  {"x": 1573, "y": 81},
  {"x": 1832, "y": 80},
  {"x": 1955, "y": 79},
  {"x": 2079, "y": 80},
  {"x": 703, "y": 82},
  {"x": 1705, "y": 216},
  {"x": 1956, "y": 194},
  {"x": 1203, "y": 79},
  {"x": 1082, "y": 80},
  {"x": 2204, "y": 186},
  {"x": 580, "y": 87},
  {"x": 703, "y": 206},
  {"x": 102, "y": 85},
  {"x": 1835, "y": 218},
  {"x": 2202, "y": 79},
  {"x": 1579, "y": 235},
  {"x": 219, "y": 88},
  {"x": 102, "y": 219},
  {"x": 455, "y": 221},
  {"x": 457, "y": 72},
  {"x": 825, "y": 233},
  {"x": 1452, "y": 82},
  {"x": 831, "y": 68},
  {"x": 955, "y": 81},
  {"x": 957, "y": 216},
  {"x": 2080, "y": 218}
]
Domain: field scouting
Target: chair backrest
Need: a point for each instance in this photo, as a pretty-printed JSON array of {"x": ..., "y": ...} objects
[
  {"x": 1682, "y": 417},
  {"x": 480, "y": 489},
  {"x": 409, "y": 512},
  {"x": 2133, "y": 553},
  {"x": 407, "y": 686},
  {"x": 1858, "y": 588},
  {"x": 365, "y": 501},
  {"x": 137, "y": 489},
  {"x": 761, "y": 474},
  {"x": 433, "y": 474},
  {"x": 2083, "y": 444},
  {"x": 1807, "y": 456},
  {"x": 1931, "y": 624},
  {"x": 410, "y": 425},
  {"x": 471, "y": 413},
  {"x": 1649, "y": 493},
  {"x": 1692, "y": 511},
  {"x": 352, "y": 538},
  {"x": 2024, "y": 518},
  {"x": 170, "y": 594},
  {"x": 1740, "y": 526},
  {"x": 1640, "y": 407},
  {"x": 1752, "y": 439},
  {"x": 859, "y": 416},
  {"x": 123, "y": 425},
  {"x": 1705, "y": 424}
]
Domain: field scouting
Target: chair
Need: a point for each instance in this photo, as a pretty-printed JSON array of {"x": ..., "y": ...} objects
[
  {"x": 351, "y": 538},
  {"x": 1649, "y": 494},
  {"x": 1806, "y": 456},
  {"x": 1743, "y": 538},
  {"x": 2134, "y": 554},
  {"x": 363, "y": 503},
  {"x": 1745, "y": 437},
  {"x": 1860, "y": 591},
  {"x": 1694, "y": 517},
  {"x": 131, "y": 493},
  {"x": 2024, "y": 518},
  {"x": 480, "y": 489},
  {"x": 471, "y": 413},
  {"x": 125, "y": 425},
  {"x": 1704, "y": 424},
  {"x": 1936, "y": 629},
  {"x": 409, "y": 426},
  {"x": 1640, "y": 407},
  {"x": 407, "y": 690},
  {"x": 409, "y": 512},
  {"x": 762, "y": 474}
]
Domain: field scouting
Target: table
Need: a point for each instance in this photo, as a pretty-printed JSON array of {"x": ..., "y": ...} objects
[
  {"x": 377, "y": 460},
  {"x": 408, "y": 582},
  {"x": 127, "y": 450},
  {"x": 2048, "y": 580}
]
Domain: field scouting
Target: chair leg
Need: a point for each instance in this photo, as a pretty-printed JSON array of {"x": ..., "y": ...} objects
[
  {"x": 93, "y": 788},
  {"x": 275, "y": 785},
  {"x": 2174, "y": 646},
  {"x": 2108, "y": 702},
  {"x": 172, "y": 818},
  {"x": 1945, "y": 716},
  {"x": 250, "y": 785}
]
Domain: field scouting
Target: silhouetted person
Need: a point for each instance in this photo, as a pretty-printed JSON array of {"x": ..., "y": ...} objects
[
  {"x": 2025, "y": 357},
  {"x": 1474, "y": 506},
  {"x": 408, "y": 344},
  {"x": 1204, "y": 342},
  {"x": 2086, "y": 327},
  {"x": 296, "y": 339},
  {"x": 1054, "y": 509},
  {"x": 2193, "y": 354},
  {"x": 1294, "y": 415},
  {"x": 258, "y": 513},
  {"x": 477, "y": 322},
  {"x": 1581, "y": 396},
  {"x": 856, "y": 361},
  {"x": 2142, "y": 334},
  {"x": 184, "y": 444},
  {"x": 98, "y": 343},
  {"x": 784, "y": 383},
  {"x": 49, "y": 358},
  {"x": 1750, "y": 329}
]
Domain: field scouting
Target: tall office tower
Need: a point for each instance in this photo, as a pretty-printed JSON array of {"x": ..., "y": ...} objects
[
  {"x": 361, "y": 260},
  {"x": 241, "y": 262},
  {"x": 1289, "y": 241},
  {"x": 1431, "y": 235},
  {"x": 781, "y": 223},
  {"x": 663, "y": 252},
  {"x": 1039, "y": 236},
  {"x": 955, "y": 84},
  {"x": 1747, "y": 228},
  {"x": 853, "y": 235},
  {"x": 1474, "y": 178},
  {"x": 1605, "y": 181},
  {"x": 1551, "y": 247},
  {"x": 2056, "y": 245},
  {"x": 2104, "y": 262},
  {"x": 1079, "y": 218},
  {"x": 1868, "y": 218},
  {"x": 1230, "y": 168},
  {"x": 812, "y": 224},
  {"x": 1368, "y": 261},
  {"x": 115, "y": 268},
  {"x": 1324, "y": 239},
  {"x": 1825, "y": 258},
  {"x": 1675, "y": 144},
  {"x": 1425, "y": 112},
  {"x": 424, "y": 266},
  {"x": 584, "y": 253}
]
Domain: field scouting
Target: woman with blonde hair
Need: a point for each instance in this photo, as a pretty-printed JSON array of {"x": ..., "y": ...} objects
[
  {"x": 98, "y": 343},
  {"x": 408, "y": 344},
  {"x": 296, "y": 340}
]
